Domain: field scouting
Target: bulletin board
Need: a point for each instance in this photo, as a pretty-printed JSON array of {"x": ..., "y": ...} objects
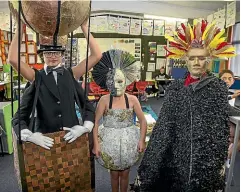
[
  {"x": 131, "y": 45},
  {"x": 141, "y": 47}
]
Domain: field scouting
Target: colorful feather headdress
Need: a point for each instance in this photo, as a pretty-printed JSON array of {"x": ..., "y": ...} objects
[{"x": 201, "y": 35}]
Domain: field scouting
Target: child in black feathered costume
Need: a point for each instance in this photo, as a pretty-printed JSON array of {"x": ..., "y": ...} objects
[{"x": 189, "y": 143}]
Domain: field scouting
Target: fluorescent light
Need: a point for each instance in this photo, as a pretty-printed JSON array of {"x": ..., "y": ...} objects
[{"x": 164, "y": 18}]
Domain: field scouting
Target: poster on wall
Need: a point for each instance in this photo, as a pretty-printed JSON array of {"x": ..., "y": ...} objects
[
  {"x": 93, "y": 25},
  {"x": 31, "y": 59},
  {"x": 124, "y": 25},
  {"x": 219, "y": 17},
  {"x": 152, "y": 47},
  {"x": 6, "y": 18},
  {"x": 131, "y": 45},
  {"x": 147, "y": 27},
  {"x": 148, "y": 75},
  {"x": 31, "y": 36},
  {"x": 219, "y": 14},
  {"x": 23, "y": 58},
  {"x": 102, "y": 24},
  {"x": 138, "y": 51},
  {"x": 160, "y": 62},
  {"x": 210, "y": 18},
  {"x": 170, "y": 27},
  {"x": 113, "y": 24},
  {"x": 135, "y": 26},
  {"x": 151, "y": 67},
  {"x": 23, "y": 48},
  {"x": 161, "y": 52},
  {"x": 159, "y": 28},
  {"x": 231, "y": 14},
  {"x": 31, "y": 48},
  {"x": 179, "y": 26}
]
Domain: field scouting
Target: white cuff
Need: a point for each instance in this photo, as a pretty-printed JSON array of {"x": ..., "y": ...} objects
[
  {"x": 89, "y": 125},
  {"x": 25, "y": 134}
]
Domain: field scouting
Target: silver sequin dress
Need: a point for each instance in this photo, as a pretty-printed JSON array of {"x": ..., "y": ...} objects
[{"x": 118, "y": 138}]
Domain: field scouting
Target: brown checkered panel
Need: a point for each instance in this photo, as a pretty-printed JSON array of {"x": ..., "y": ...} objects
[{"x": 66, "y": 167}]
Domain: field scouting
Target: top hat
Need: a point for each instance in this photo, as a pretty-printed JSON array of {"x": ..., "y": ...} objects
[{"x": 50, "y": 48}]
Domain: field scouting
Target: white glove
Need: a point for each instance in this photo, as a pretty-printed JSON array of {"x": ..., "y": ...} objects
[
  {"x": 78, "y": 130},
  {"x": 37, "y": 138}
]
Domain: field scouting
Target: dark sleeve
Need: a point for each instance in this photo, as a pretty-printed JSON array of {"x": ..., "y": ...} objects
[
  {"x": 167, "y": 76},
  {"x": 157, "y": 150},
  {"x": 230, "y": 97},
  {"x": 232, "y": 111},
  {"x": 89, "y": 113},
  {"x": 25, "y": 109}
]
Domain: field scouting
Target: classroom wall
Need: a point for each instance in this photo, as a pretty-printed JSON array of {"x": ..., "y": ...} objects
[
  {"x": 145, "y": 7},
  {"x": 152, "y": 8},
  {"x": 235, "y": 62},
  {"x": 145, "y": 49}
]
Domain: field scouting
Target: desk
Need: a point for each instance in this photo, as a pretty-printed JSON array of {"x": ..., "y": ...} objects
[
  {"x": 4, "y": 82},
  {"x": 22, "y": 86},
  {"x": 165, "y": 79},
  {"x": 236, "y": 121},
  {"x": 15, "y": 88}
]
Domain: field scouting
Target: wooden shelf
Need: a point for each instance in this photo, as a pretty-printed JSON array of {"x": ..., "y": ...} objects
[{"x": 26, "y": 47}]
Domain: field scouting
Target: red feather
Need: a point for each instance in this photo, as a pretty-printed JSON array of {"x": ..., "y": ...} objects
[
  {"x": 181, "y": 36},
  {"x": 177, "y": 46},
  {"x": 204, "y": 25},
  {"x": 231, "y": 53},
  {"x": 221, "y": 45},
  {"x": 169, "y": 52},
  {"x": 218, "y": 30},
  {"x": 183, "y": 26},
  {"x": 174, "y": 44},
  {"x": 167, "y": 55},
  {"x": 165, "y": 47},
  {"x": 194, "y": 31}
]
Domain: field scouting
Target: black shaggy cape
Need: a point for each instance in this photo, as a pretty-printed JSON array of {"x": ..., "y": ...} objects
[{"x": 189, "y": 143}]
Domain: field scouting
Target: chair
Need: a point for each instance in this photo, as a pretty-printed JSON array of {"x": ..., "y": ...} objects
[
  {"x": 141, "y": 87},
  {"x": 94, "y": 91},
  {"x": 129, "y": 88},
  {"x": 94, "y": 88}
]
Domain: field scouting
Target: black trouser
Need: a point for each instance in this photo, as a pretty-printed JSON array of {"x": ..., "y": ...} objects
[{"x": 161, "y": 88}]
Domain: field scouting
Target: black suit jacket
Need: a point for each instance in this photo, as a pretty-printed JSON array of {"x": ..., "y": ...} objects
[{"x": 55, "y": 104}]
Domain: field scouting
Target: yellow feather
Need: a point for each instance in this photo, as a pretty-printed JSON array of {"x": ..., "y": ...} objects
[
  {"x": 225, "y": 55},
  {"x": 216, "y": 43},
  {"x": 194, "y": 23},
  {"x": 217, "y": 37},
  {"x": 191, "y": 32},
  {"x": 207, "y": 29},
  {"x": 227, "y": 48},
  {"x": 178, "y": 40},
  {"x": 175, "y": 56},
  {"x": 231, "y": 49},
  {"x": 176, "y": 51},
  {"x": 170, "y": 38}
]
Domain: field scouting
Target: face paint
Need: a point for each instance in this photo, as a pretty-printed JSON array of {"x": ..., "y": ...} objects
[
  {"x": 116, "y": 82},
  {"x": 197, "y": 61}
]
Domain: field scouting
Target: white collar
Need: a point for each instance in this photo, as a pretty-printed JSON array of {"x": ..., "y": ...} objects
[{"x": 45, "y": 67}]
